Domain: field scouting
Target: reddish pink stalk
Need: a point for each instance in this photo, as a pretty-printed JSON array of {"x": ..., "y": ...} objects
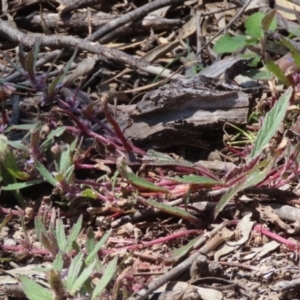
[
  {"x": 289, "y": 244},
  {"x": 171, "y": 237},
  {"x": 154, "y": 242},
  {"x": 22, "y": 250},
  {"x": 11, "y": 211}
]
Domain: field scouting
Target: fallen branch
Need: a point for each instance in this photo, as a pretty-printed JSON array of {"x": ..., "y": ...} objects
[
  {"x": 131, "y": 16},
  {"x": 56, "y": 41}
]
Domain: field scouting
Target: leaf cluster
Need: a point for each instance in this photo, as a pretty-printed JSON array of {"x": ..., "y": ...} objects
[
  {"x": 73, "y": 269},
  {"x": 256, "y": 26}
]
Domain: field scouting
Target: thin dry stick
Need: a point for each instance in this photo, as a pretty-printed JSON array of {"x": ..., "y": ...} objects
[
  {"x": 68, "y": 41},
  {"x": 75, "y": 4},
  {"x": 23, "y": 5},
  {"x": 131, "y": 16},
  {"x": 227, "y": 26},
  {"x": 185, "y": 265}
]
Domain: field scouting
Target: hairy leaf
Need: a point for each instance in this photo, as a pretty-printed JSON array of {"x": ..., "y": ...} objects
[
  {"x": 275, "y": 69},
  {"x": 21, "y": 185},
  {"x": 251, "y": 178},
  {"x": 74, "y": 270},
  {"x": 34, "y": 291},
  {"x": 85, "y": 274},
  {"x": 271, "y": 123},
  {"x": 110, "y": 270},
  {"x": 175, "y": 211},
  {"x": 196, "y": 180},
  {"x": 45, "y": 173},
  {"x": 73, "y": 234},
  {"x": 137, "y": 181},
  {"x": 92, "y": 254},
  {"x": 293, "y": 49},
  {"x": 58, "y": 262},
  {"x": 60, "y": 235}
]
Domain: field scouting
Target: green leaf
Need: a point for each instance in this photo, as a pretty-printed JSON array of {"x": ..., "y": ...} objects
[
  {"x": 69, "y": 174},
  {"x": 89, "y": 193},
  {"x": 98, "y": 246},
  {"x": 269, "y": 21},
  {"x": 226, "y": 198},
  {"x": 73, "y": 234},
  {"x": 275, "y": 69},
  {"x": 85, "y": 274},
  {"x": 160, "y": 156},
  {"x": 58, "y": 262},
  {"x": 21, "y": 185},
  {"x": 137, "y": 181},
  {"x": 250, "y": 41},
  {"x": 55, "y": 82},
  {"x": 175, "y": 211},
  {"x": 76, "y": 247},
  {"x": 15, "y": 144},
  {"x": 74, "y": 270},
  {"x": 70, "y": 61},
  {"x": 8, "y": 179},
  {"x": 294, "y": 29},
  {"x": 65, "y": 160},
  {"x": 45, "y": 173},
  {"x": 5, "y": 221},
  {"x": 258, "y": 75},
  {"x": 62, "y": 74},
  {"x": 251, "y": 178},
  {"x": 20, "y": 127},
  {"x": 50, "y": 138},
  {"x": 90, "y": 246},
  {"x": 8, "y": 161},
  {"x": 255, "y": 58},
  {"x": 253, "y": 25},
  {"x": 46, "y": 242},
  {"x": 196, "y": 180},
  {"x": 294, "y": 50},
  {"x": 184, "y": 250},
  {"x": 271, "y": 123},
  {"x": 90, "y": 243},
  {"x": 114, "y": 180},
  {"x": 60, "y": 234},
  {"x": 56, "y": 283},
  {"x": 39, "y": 227},
  {"x": 143, "y": 183},
  {"x": 110, "y": 270},
  {"x": 34, "y": 291},
  {"x": 15, "y": 66},
  {"x": 229, "y": 44}
]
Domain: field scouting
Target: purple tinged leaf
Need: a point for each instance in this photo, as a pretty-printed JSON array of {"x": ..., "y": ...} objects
[
  {"x": 56, "y": 283},
  {"x": 22, "y": 58},
  {"x": 268, "y": 19},
  {"x": 137, "y": 181},
  {"x": 29, "y": 67}
]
